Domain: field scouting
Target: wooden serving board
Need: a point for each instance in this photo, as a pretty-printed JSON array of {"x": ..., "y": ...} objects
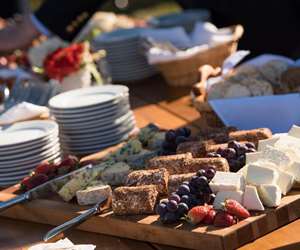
[{"x": 147, "y": 228}]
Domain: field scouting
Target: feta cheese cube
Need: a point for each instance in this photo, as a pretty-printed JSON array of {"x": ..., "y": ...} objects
[
  {"x": 224, "y": 195},
  {"x": 257, "y": 175},
  {"x": 294, "y": 131},
  {"x": 243, "y": 171},
  {"x": 226, "y": 181},
  {"x": 251, "y": 200},
  {"x": 294, "y": 170},
  {"x": 262, "y": 144},
  {"x": 93, "y": 195},
  {"x": 276, "y": 156},
  {"x": 270, "y": 195},
  {"x": 285, "y": 181},
  {"x": 252, "y": 157}
]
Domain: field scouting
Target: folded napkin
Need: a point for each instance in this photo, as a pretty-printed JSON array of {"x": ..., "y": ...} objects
[
  {"x": 204, "y": 36},
  {"x": 22, "y": 112},
  {"x": 64, "y": 244}
]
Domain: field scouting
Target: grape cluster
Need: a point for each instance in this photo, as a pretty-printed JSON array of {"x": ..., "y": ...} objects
[
  {"x": 235, "y": 154},
  {"x": 173, "y": 138},
  {"x": 188, "y": 195}
]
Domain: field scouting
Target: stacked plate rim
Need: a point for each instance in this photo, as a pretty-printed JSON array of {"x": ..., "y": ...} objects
[
  {"x": 23, "y": 146},
  {"x": 91, "y": 119}
]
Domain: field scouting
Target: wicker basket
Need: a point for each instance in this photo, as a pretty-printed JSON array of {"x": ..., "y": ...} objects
[{"x": 185, "y": 72}]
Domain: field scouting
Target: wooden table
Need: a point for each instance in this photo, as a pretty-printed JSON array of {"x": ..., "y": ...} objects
[{"x": 152, "y": 101}]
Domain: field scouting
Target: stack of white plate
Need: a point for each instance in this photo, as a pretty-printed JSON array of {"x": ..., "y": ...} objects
[
  {"x": 23, "y": 146},
  {"x": 125, "y": 57},
  {"x": 91, "y": 119}
]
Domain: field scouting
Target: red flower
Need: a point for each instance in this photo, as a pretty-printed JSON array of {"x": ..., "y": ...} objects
[{"x": 64, "y": 61}]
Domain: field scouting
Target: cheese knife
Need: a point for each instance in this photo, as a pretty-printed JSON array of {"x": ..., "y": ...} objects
[
  {"x": 44, "y": 189},
  {"x": 103, "y": 205}
]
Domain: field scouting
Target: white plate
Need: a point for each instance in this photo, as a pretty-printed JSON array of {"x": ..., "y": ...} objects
[
  {"x": 116, "y": 103},
  {"x": 28, "y": 145},
  {"x": 28, "y": 152},
  {"x": 87, "y": 97},
  {"x": 101, "y": 131},
  {"x": 29, "y": 166},
  {"x": 97, "y": 124},
  {"x": 97, "y": 140},
  {"x": 18, "y": 178},
  {"x": 87, "y": 118},
  {"x": 31, "y": 158},
  {"x": 26, "y": 132}
]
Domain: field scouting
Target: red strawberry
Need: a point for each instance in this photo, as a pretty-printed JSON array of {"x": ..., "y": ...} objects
[
  {"x": 69, "y": 161},
  {"x": 43, "y": 168},
  {"x": 209, "y": 218},
  {"x": 235, "y": 208},
  {"x": 37, "y": 179},
  {"x": 224, "y": 219},
  {"x": 197, "y": 214},
  {"x": 25, "y": 184}
]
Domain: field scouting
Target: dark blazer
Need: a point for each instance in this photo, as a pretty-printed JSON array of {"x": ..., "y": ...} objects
[
  {"x": 270, "y": 26},
  {"x": 65, "y": 18}
]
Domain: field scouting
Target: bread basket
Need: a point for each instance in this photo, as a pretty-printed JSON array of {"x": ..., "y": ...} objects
[{"x": 184, "y": 72}]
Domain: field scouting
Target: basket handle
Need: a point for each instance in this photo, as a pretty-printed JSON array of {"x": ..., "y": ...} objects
[
  {"x": 237, "y": 32},
  {"x": 205, "y": 71}
]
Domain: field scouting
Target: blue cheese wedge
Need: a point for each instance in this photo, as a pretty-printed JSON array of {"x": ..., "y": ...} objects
[
  {"x": 80, "y": 181},
  {"x": 227, "y": 181},
  {"x": 116, "y": 174},
  {"x": 270, "y": 195},
  {"x": 139, "y": 161},
  {"x": 156, "y": 141},
  {"x": 92, "y": 195},
  {"x": 147, "y": 133},
  {"x": 251, "y": 199},
  {"x": 132, "y": 147},
  {"x": 224, "y": 195},
  {"x": 257, "y": 175}
]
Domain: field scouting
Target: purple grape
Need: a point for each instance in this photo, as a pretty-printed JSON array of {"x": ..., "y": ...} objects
[
  {"x": 212, "y": 197},
  {"x": 192, "y": 201},
  {"x": 233, "y": 144},
  {"x": 183, "y": 208},
  {"x": 230, "y": 153},
  {"x": 180, "y": 132},
  {"x": 210, "y": 173},
  {"x": 193, "y": 189},
  {"x": 193, "y": 181},
  {"x": 212, "y": 155},
  {"x": 242, "y": 150},
  {"x": 170, "y": 136},
  {"x": 183, "y": 190},
  {"x": 241, "y": 160},
  {"x": 185, "y": 199},
  {"x": 234, "y": 165},
  {"x": 220, "y": 151},
  {"x": 180, "y": 139},
  {"x": 250, "y": 145},
  {"x": 169, "y": 217},
  {"x": 172, "y": 206},
  {"x": 164, "y": 201},
  {"x": 201, "y": 172},
  {"x": 187, "y": 132},
  {"x": 168, "y": 146},
  {"x": 202, "y": 181},
  {"x": 186, "y": 183},
  {"x": 250, "y": 150},
  {"x": 161, "y": 209},
  {"x": 174, "y": 197}
]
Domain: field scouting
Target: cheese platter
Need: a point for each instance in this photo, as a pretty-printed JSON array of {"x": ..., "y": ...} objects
[{"x": 243, "y": 185}]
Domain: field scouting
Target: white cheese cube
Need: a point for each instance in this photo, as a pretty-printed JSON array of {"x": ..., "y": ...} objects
[
  {"x": 270, "y": 195},
  {"x": 243, "y": 171},
  {"x": 251, "y": 200},
  {"x": 93, "y": 195},
  {"x": 252, "y": 157},
  {"x": 276, "y": 156},
  {"x": 294, "y": 131},
  {"x": 224, "y": 195},
  {"x": 294, "y": 170},
  {"x": 285, "y": 181},
  {"x": 262, "y": 144},
  {"x": 226, "y": 181},
  {"x": 257, "y": 175}
]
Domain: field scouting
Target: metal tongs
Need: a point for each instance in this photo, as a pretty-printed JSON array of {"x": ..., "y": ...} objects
[{"x": 102, "y": 206}]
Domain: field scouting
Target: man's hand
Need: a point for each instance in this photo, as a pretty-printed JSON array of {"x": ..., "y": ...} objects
[{"x": 18, "y": 35}]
